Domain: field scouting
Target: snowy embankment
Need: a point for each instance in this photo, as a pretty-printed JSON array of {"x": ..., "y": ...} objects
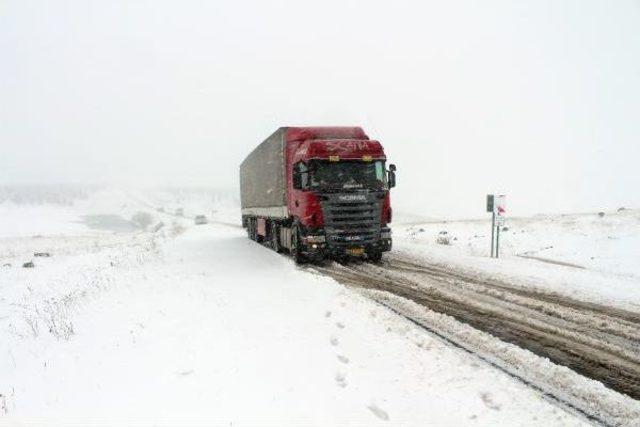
[
  {"x": 197, "y": 324},
  {"x": 587, "y": 256}
]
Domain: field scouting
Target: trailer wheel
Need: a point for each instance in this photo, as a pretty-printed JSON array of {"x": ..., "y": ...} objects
[
  {"x": 250, "y": 228},
  {"x": 275, "y": 237},
  {"x": 295, "y": 246}
]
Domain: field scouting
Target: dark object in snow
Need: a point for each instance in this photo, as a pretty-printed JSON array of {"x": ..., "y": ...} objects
[
  {"x": 157, "y": 227},
  {"x": 42, "y": 254},
  {"x": 29, "y": 264},
  {"x": 6, "y": 265},
  {"x": 421, "y": 230},
  {"x": 505, "y": 228},
  {"x": 179, "y": 212},
  {"x": 622, "y": 208},
  {"x": 600, "y": 214},
  {"x": 201, "y": 219},
  {"x": 443, "y": 238}
]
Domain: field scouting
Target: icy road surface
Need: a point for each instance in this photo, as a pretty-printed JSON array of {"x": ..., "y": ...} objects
[{"x": 205, "y": 325}]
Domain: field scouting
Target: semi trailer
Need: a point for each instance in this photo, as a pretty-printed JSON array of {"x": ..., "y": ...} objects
[{"x": 318, "y": 192}]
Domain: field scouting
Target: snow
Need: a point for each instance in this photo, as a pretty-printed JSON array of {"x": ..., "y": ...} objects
[
  {"x": 584, "y": 256},
  {"x": 588, "y": 395},
  {"x": 197, "y": 324},
  {"x": 20, "y": 221}
]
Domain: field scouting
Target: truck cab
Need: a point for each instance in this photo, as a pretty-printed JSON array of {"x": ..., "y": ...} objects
[{"x": 339, "y": 194}]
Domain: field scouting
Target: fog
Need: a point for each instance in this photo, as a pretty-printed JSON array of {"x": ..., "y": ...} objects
[{"x": 538, "y": 100}]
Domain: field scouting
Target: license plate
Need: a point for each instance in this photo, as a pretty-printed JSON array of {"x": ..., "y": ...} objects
[{"x": 355, "y": 251}]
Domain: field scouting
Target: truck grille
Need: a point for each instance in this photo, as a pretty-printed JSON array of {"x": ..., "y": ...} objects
[{"x": 351, "y": 218}]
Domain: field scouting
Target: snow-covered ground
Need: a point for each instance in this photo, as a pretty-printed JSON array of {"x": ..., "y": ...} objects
[
  {"x": 197, "y": 324},
  {"x": 585, "y": 256}
]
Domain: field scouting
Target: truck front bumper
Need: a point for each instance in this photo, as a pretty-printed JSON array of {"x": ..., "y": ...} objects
[{"x": 317, "y": 246}]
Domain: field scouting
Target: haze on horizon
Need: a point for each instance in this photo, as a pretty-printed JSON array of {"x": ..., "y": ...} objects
[{"x": 538, "y": 100}]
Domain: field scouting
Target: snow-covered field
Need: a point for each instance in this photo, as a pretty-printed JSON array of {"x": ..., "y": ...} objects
[
  {"x": 198, "y": 325},
  {"x": 585, "y": 256}
]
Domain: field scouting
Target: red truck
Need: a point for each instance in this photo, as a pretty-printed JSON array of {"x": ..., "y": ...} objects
[{"x": 318, "y": 192}]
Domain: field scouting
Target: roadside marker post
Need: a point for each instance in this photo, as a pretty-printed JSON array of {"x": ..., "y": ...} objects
[
  {"x": 493, "y": 231},
  {"x": 500, "y": 209},
  {"x": 490, "y": 208},
  {"x": 498, "y": 242},
  {"x": 497, "y": 206}
]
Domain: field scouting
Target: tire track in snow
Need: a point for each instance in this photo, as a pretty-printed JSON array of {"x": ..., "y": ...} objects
[{"x": 598, "y": 342}]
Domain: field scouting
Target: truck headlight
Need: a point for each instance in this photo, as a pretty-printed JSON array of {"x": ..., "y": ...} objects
[
  {"x": 385, "y": 234},
  {"x": 315, "y": 239}
]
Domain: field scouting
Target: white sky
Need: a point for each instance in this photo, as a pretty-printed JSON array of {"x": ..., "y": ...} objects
[{"x": 537, "y": 99}]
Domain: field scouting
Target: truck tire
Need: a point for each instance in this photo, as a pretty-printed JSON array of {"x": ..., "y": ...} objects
[
  {"x": 275, "y": 237},
  {"x": 250, "y": 228},
  {"x": 374, "y": 256},
  {"x": 298, "y": 257}
]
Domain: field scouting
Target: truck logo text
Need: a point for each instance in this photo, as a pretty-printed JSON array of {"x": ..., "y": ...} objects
[{"x": 352, "y": 197}]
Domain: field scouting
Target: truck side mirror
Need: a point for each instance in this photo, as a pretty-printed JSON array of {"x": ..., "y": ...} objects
[
  {"x": 392, "y": 178},
  {"x": 392, "y": 167}
]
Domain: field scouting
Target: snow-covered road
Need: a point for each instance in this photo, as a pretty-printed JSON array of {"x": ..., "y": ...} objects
[
  {"x": 212, "y": 327},
  {"x": 597, "y": 341},
  {"x": 199, "y": 325}
]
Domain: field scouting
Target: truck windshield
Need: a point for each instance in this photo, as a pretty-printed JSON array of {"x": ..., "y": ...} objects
[{"x": 347, "y": 175}]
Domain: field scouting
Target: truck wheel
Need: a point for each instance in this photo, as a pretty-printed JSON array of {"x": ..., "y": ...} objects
[
  {"x": 375, "y": 256},
  {"x": 250, "y": 229},
  {"x": 295, "y": 246},
  {"x": 275, "y": 237}
]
